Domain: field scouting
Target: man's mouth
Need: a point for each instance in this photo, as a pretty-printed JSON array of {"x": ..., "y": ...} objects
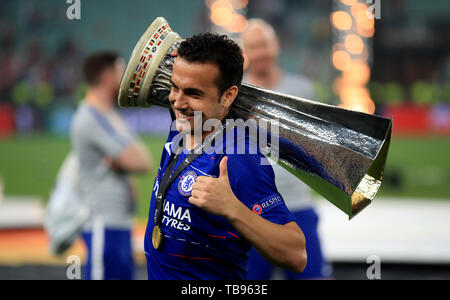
[{"x": 184, "y": 116}]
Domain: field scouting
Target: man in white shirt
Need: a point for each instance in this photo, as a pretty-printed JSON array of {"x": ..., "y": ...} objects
[{"x": 107, "y": 153}]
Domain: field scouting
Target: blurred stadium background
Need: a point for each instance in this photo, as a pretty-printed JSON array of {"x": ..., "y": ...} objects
[{"x": 397, "y": 65}]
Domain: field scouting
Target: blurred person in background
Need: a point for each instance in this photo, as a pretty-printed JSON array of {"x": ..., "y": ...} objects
[
  {"x": 107, "y": 153},
  {"x": 1, "y": 191},
  {"x": 261, "y": 47}
]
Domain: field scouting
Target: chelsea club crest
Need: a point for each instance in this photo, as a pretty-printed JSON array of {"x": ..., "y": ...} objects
[{"x": 186, "y": 182}]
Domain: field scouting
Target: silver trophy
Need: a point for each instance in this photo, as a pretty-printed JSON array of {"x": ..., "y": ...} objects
[{"x": 339, "y": 153}]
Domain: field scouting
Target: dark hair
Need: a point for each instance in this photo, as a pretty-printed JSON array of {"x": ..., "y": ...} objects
[
  {"x": 95, "y": 64},
  {"x": 218, "y": 49}
]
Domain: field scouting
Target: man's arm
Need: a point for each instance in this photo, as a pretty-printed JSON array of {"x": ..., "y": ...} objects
[
  {"x": 134, "y": 158},
  {"x": 122, "y": 153},
  {"x": 283, "y": 245}
]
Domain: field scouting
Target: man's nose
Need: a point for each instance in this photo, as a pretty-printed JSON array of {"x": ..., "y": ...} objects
[{"x": 178, "y": 100}]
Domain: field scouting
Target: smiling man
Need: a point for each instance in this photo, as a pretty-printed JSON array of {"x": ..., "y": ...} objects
[{"x": 207, "y": 210}]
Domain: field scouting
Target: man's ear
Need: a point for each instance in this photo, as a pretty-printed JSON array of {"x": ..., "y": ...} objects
[
  {"x": 107, "y": 76},
  {"x": 229, "y": 96}
]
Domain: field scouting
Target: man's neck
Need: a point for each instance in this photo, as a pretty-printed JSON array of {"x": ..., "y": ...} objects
[
  {"x": 99, "y": 98},
  {"x": 193, "y": 140},
  {"x": 267, "y": 80}
]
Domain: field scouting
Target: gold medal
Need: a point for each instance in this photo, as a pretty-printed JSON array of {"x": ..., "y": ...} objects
[{"x": 156, "y": 237}]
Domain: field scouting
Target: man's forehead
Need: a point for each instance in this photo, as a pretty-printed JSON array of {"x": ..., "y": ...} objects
[
  {"x": 258, "y": 33},
  {"x": 194, "y": 72},
  {"x": 194, "y": 65}
]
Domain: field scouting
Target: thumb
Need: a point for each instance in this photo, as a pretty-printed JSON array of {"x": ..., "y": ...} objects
[{"x": 223, "y": 167}]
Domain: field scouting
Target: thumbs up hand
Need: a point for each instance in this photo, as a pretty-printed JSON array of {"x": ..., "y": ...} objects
[{"x": 214, "y": 194}]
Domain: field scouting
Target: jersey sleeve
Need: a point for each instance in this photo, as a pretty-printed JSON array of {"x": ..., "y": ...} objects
[{"x": 254, "y": 185}]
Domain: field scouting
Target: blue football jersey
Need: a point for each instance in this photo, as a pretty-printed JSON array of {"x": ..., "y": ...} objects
[{"x": 200, "y": 245}]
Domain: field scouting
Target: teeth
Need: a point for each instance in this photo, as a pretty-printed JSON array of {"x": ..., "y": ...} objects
[{"x": 182, "y": 115}]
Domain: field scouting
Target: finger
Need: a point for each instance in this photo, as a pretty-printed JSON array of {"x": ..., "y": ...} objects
[
  {"x": 198, "y": 186},
  {"x": 196, "y": 193},
  {"x": 194, "y": 200},
  {"x": 223, "y": 167},
  {"x": 174, "y": 53},
  {"x": 202, "y": 179}
]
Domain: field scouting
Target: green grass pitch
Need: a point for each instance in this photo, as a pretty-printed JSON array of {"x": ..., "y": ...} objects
[{"x": 416, "y": 167}]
